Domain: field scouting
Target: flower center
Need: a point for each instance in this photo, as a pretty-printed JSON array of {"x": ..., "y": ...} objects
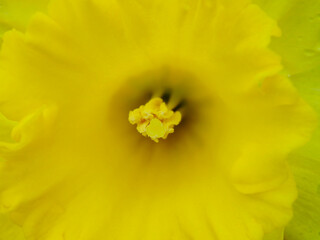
[{"x": 155, "y": 119}]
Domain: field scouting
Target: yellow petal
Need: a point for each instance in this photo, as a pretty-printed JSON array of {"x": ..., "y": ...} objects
[
  {"x": 9, "y": 230},
  {"x": 306, "y": 167},
  {"x": 299, "y": 45},
  {"x": 275, "y": 235}
]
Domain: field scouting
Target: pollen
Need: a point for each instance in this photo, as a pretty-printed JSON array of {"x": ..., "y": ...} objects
[{"x": 154, "y": 119}]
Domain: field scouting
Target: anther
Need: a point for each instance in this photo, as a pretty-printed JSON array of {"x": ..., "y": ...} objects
[{"x": 155, "y": 119}]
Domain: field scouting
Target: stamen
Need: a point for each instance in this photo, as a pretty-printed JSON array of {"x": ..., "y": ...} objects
[{"x": 155, "y": 119}]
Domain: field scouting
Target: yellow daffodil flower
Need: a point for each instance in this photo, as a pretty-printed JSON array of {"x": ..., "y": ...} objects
[{"x": 148, "y": 119}]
